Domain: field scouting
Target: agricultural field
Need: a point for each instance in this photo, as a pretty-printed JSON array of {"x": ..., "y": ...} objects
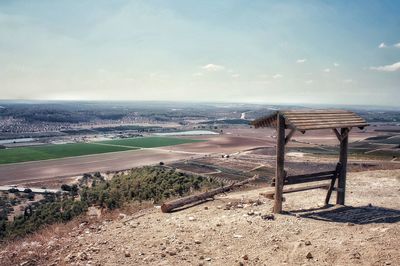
[
  {"x": 149, "y": 142},
  {"x": 25, "y": 154},
  {"x": 54, "y": 151}
]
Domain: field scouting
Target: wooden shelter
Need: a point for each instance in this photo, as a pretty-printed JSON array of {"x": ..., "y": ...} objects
[{"x": 303, "y": 120}]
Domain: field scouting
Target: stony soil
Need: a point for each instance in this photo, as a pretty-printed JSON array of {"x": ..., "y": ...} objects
[{"x": 238, "y": 229}]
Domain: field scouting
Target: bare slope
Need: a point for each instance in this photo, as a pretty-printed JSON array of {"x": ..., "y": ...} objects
[{"x": 208, "y": 234}]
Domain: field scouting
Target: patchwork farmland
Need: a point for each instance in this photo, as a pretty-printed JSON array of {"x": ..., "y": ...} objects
[{"x": 55, "y": 151}]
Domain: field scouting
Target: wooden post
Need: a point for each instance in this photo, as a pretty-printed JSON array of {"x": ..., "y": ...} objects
[
  {"x": 280, "y": 163},
  {"x": 341, "y": 193}
]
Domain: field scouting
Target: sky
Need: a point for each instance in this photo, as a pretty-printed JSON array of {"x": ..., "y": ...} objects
[{"x": 317, "y": 52}]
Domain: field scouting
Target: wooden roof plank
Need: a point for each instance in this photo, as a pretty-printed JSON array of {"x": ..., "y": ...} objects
[{"x": 304, "y": 120}]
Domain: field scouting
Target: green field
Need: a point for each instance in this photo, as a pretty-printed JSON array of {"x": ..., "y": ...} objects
[{"x": 54, "y": 151}]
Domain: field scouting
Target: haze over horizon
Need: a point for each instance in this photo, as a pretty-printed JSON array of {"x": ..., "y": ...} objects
[{"x": 227, "y": 51}]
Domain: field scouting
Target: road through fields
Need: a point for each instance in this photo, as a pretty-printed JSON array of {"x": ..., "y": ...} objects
[{"x": 19, "y": 172}]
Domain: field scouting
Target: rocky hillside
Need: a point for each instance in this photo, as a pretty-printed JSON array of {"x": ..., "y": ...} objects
[{"x": 234, "y": 229}]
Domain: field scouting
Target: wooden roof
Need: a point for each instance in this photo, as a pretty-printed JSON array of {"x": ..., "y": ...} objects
[{"x": 303, "y": 120}]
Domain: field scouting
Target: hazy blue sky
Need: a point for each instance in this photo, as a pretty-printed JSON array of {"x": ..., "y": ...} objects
[{"x": 345, "y": 52}]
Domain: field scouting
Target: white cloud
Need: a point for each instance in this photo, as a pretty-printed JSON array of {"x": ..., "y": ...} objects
[
  {"x": 197, "y": 74},
  {"x": 347, "y": 81},
  {"x": 277, "y": 76},
  {"x": 387, "y": 68},
  {"x": 397, "y": 45},
  {"x": 382, "y": 45},
  {"x": 327, "y": 70},
  {"x": 213, "y": 67},
  {"x": 310, "y": 81},
  {"x": 301, "y": 60},
  {"x": 336, "y": 64},
  {"x": 235, "y": 75}
]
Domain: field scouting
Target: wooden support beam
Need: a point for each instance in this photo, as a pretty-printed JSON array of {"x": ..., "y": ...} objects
[
  {"x": 270, "y": 195},
  {"x": 312, "y": 177},
  {"x": 290, "y": 135},
  {"x": 280, "y": 162},
  {"x": 344, "y": 143},
  {"x": 339, "y": 137},
  {"x": 332, "y": 185},
  {"x": 292, "y": 181}
]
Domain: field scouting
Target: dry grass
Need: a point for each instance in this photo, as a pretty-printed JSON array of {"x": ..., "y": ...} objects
[{"x": 37, "y": 248}]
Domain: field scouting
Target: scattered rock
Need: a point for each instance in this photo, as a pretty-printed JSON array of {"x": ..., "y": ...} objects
[
  {"x": 191, "y": 218},
  {"x": 207, "y": 259},
  {"x": 206, "y": 208},
  {"x": 309, "y": 255},
  {"x": 197, "y": 241},
  {"x": 268, "y": 217},
  {"x": 356, "y": 255},
  {"x": 350, "y": 224},
  {"x": 307, "y": 243},
  {"x": 82, "y": 256},
  {"x": 245, "y": 257},
  {"x": 237, "y": 236},
  {"x": 172, "y": 252},
  {"x": 127, "y": 254},
  {"x": 250, "y": 213},
  {"x": 29, "y": 263}
]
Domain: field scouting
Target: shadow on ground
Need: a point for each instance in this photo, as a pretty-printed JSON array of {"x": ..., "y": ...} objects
[{"x": 355, "y": 215}]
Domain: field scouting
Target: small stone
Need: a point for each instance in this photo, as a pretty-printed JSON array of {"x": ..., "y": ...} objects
[
  {"x": 191, "y": 218},
  {"x": 163, "y": 255},
  {"x": 237, "y": 236},
  {"x": 207, "y": 259},
  {"x": 127, "y": 254},
  {"x": 268, "y": 217},
  {"x": 218, "y": 224},
  {"x": 250, "y": 213},
  {"x": 307, "y": 243},
  {"x": 309, "y": 255},
  {"x": 206, "y": 208},
  {"x": 245, "y": 257},
  {"x": 356, "y": 255},
  {"x": 350, "y": 224},
  {"x": 172, "y": 253},
  {"x": 197, "y": 241}
]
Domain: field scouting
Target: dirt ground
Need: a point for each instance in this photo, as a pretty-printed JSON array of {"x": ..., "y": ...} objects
[{"x": 235, "y": 229}]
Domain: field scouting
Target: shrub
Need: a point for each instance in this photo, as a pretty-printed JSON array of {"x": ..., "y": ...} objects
[
  {"x": 27, "y": 190},
  {"x": 13, "y": 190}
]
